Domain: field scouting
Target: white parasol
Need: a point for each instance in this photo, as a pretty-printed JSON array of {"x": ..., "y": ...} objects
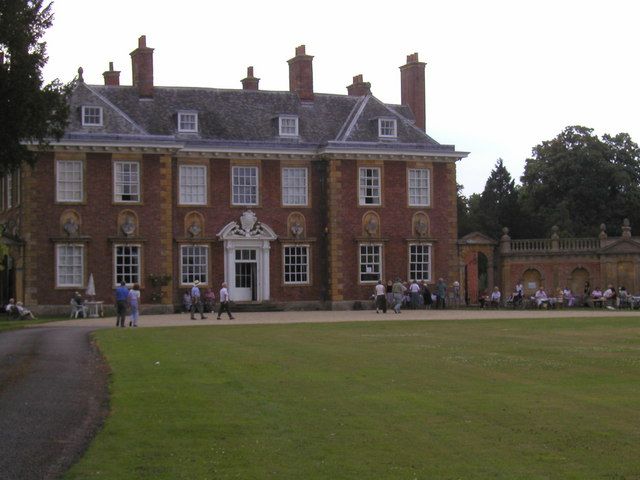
[{"x": 91, "y": 287}]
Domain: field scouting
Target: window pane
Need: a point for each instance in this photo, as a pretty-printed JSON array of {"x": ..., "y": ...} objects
[
  {"x": 296, "y": 264},
  {"x": 419, "y": 187},
  {"x": 194, "y": 261},
  {"x": 127, "y": 264},
  {"x": 420, "y": 261},
  {"x": 245, "y": 185},
  {"x": 193, "y": 184},
  {"x": 69, "y": 181},
  {"x": 126, "y": 182},
  {"x": 369, "y": 186},
  {"x": 69, "y": 265},
  {"x": 294, "y": 186},
  {"x": 370, "y": 263}
]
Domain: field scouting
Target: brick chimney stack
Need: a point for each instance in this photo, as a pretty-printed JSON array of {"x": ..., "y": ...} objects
[
  {"x": 359, "y": 88},
  {"x": 111, "y": 76},
  {"x": 250, "y": 82},
  {"x": 142, "y": 68},
  {"x": 412, "y": 88},
  {"x": 301, "y": 74}
]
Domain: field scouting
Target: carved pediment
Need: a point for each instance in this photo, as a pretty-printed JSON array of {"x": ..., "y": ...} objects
[{"x": 247, "y": 227}]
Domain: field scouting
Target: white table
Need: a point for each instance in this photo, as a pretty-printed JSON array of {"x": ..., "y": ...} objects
[{"x": 95, "y": 309}]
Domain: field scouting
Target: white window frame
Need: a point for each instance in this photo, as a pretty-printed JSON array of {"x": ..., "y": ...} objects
[
  {"x": 375, "y": 265},
  {"x": 191, "y": 271},
  {"x": 88, "y": 114},
  {"x": 241, "y": 192},
  {"x": 185, "y": 125},
  {"x": 135, "y": 277},
  {"x": 76, "y": 265},
  {"x": 387, "y": 128},
  {"x": 75, "y": 185},
  {"x": 369, "y": 182},
  {"x": 301, "y": 277},
  {"x": 295, "y": 189},
  {"x": 119, "y": 184},
  {"x": 288, "y": 125},
  {"x": 415, "y": 273},
  {"x": 419, "y": 189},
  {"x": 193, "y": 187}
]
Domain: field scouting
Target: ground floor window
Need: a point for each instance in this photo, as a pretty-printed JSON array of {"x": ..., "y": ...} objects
[
  {"x": 194, "y": 263},
  {"x": 127, "y": 264},
  {"x": 69, "y": 265},
  {"x": 420, "y": 261},
  {"x": 296, "y": 264},
  {"x": 370, "y": 263}
]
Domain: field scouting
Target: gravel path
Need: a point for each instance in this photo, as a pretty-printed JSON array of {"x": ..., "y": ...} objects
[{"x": 53, "y": 399}]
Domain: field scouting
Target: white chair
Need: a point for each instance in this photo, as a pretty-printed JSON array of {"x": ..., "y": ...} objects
[{"x": 76, "y": 310}]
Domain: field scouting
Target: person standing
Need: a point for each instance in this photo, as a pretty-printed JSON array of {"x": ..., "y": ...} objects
[
  {"x": 134, "y": 301},
  {"x": 381, "y": 300},
  {"x": 398, "y": 294},
  {"x": 224, "y": 302},
  {"x": 196, "y": 301},
  {"x": 414, "y": 288},
  {"x": 426, "y": 295},
  {"x": 122, "y": 293},
  {"x": 441, "y": 293}
]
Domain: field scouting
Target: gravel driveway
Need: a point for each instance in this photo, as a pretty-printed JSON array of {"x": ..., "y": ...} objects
[{"x": 53, "y": 399}]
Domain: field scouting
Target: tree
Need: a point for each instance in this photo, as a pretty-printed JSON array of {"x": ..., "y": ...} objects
[
  {"x": 30, "y": 113},
  {"x": 578, "y": 181},
  {"x": 497, "y": 206}
]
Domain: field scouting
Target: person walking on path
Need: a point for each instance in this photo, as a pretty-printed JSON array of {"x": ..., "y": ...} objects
[
  {"x": 134, "y": 300},
  {"x": 398, "y": 293},
  {"x": 224, "y": 302},
  {"x": 381, "y": 300},
  {"x": 122, "y": 293},
  {"x": 196, "y": 301}
]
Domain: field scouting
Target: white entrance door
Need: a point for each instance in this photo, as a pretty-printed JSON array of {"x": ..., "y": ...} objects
[{"x": 245, "y": 285}]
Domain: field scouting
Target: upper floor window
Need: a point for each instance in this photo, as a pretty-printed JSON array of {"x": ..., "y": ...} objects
[
  {"x": 9, "y": 190},
  {"x": 387, "y": 128},
  {"x": 126, "y": 181},
  {"x": 419, "y": 193},
  {"x": 92, "y": 116},
  {"x": 187, "y": 122},
  {"x": 245, "y": 185},
  {"x": 69, "y": 185},
  {"x": 193, "y": 185},
  {"x": 370, "y": 186},
  {"x": 288, "y": 126},
  {"x": 294, "y": 186}
]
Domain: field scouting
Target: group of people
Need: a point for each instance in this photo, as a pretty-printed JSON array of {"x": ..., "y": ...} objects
[
  {"x": 17, "y": 310},
  {"x": 195, "y": 301},
  {"x": 415, "y": 295},
  {"x": 127, "y": 298}
]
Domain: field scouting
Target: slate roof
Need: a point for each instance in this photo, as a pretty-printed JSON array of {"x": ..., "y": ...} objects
[{"x": 244, "y": 117}]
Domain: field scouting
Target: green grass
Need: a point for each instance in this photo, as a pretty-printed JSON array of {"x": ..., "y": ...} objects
[
  {"x": 508, "y": 399},
  {"x": 6, "y": 324}
]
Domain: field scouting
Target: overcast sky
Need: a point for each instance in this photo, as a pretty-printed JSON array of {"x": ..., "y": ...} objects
[{"x": 502, "y": 76}]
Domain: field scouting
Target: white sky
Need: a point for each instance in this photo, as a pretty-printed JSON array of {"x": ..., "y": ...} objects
[{"x": 502, "y": 76}]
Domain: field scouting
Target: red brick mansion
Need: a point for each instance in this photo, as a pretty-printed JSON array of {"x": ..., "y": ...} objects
[{"x": 295, "y": 198}]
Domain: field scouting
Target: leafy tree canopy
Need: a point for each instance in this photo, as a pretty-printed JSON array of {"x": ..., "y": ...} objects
[
  {"x": 578, "y": 181},
  {"x": 29, "y": 111}
]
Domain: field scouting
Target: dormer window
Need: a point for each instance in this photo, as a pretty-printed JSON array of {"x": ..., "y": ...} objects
[
  {"x": 91, "y": 116},
  {"x": 288, "y": 126},
  {"x": 188, "y": 122},
  {"x": 387, "y": 128}
]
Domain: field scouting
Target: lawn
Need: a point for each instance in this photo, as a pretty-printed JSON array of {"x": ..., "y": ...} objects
[{"x": 508, "y": 399}]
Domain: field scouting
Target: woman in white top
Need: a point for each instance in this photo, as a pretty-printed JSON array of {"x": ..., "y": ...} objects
[{"x": 134, "y": 300}]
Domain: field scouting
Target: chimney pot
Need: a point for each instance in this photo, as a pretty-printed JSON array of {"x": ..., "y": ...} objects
[
  {"x": 111, "y": 76},
  {"x": 142, "y": 68},
  {"x": 250, "y": 82},
  {"x": 412, "y": 88},
  {"x": 359, "y": 88},
  {"x": 301, "y": 74}
]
